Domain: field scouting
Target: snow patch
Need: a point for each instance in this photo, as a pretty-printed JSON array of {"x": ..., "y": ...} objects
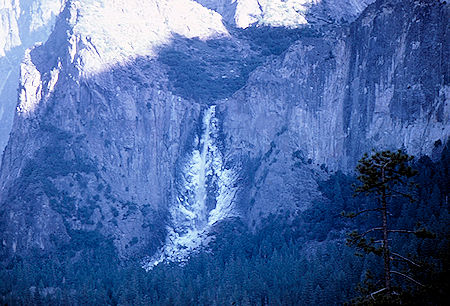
[
  {"x": 122, "y": 30},
  {"x": 286, "y": 13}
]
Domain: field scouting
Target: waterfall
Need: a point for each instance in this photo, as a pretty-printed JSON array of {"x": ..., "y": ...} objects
[{"x": 205, "y": 196}]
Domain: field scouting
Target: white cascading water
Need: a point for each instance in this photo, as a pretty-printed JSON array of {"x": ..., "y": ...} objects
[{"x": 204, "y": 180}]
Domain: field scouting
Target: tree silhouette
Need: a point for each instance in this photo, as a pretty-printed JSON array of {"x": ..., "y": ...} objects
[{"x": 384, "y": 176}]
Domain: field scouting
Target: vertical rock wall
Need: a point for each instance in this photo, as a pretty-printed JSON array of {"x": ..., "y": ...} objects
[
  {"x": 22, "y": 24},
  {"x": 118, "y": 135},
  {"x": 381, "y": 83}
]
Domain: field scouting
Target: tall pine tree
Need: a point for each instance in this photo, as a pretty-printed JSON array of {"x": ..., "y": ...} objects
[{"x": 386, "y": 177}]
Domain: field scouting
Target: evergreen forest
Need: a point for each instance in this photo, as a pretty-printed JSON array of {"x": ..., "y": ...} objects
[{"x": 294, "y": 259}]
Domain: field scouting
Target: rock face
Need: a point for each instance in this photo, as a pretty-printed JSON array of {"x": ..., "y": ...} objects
[
  {"x": 291, "y": 13},
  {"x": 108, "y": 132},
  {"x": 150, "y": 137},
  {"x": 330, "y": 98},
  {"x": 22, "y": 24}
]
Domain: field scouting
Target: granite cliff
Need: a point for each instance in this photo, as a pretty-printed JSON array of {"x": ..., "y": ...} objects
[
  {"x": 150, "y": 130},
  {"x": 22, "y": 24}
]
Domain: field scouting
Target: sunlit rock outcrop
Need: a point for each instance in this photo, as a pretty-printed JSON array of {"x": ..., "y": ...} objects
[
  {"x": 151, "y": 131},
  {"x": 22, "y": 24},
  {"x": 110, "y": 132},
  {"x": 290, "y": 13}
]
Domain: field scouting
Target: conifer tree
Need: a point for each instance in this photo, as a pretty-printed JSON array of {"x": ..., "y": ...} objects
[{"x": 386, "y": 177}]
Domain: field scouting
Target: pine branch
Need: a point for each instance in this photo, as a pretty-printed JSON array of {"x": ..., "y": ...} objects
[
  {"x": 376, "y": 292},
  {"x": 407, "y": 277},
  {"x": 380, "y": 241},
  {"x": 406, "y": 195},
  {"x": 371, "y": 230},
  {"x": 424, "y": 233},
  {"x": 365, "y": 188},
  {"x": 355, "y": 239},
  {"x": 406, "y": 259},
  {"x": 353, "y": 214},
  {"x": 420, "y": 233},
  {"x": 402, "y": 231}
]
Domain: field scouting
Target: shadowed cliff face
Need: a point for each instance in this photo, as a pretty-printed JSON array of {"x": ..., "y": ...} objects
[
  {"x": 152, "y": 152},
  {"x": 330, "y": 98}
]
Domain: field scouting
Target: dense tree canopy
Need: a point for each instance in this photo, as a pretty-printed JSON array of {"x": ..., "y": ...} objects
[{"x": 295, "y": 258}]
